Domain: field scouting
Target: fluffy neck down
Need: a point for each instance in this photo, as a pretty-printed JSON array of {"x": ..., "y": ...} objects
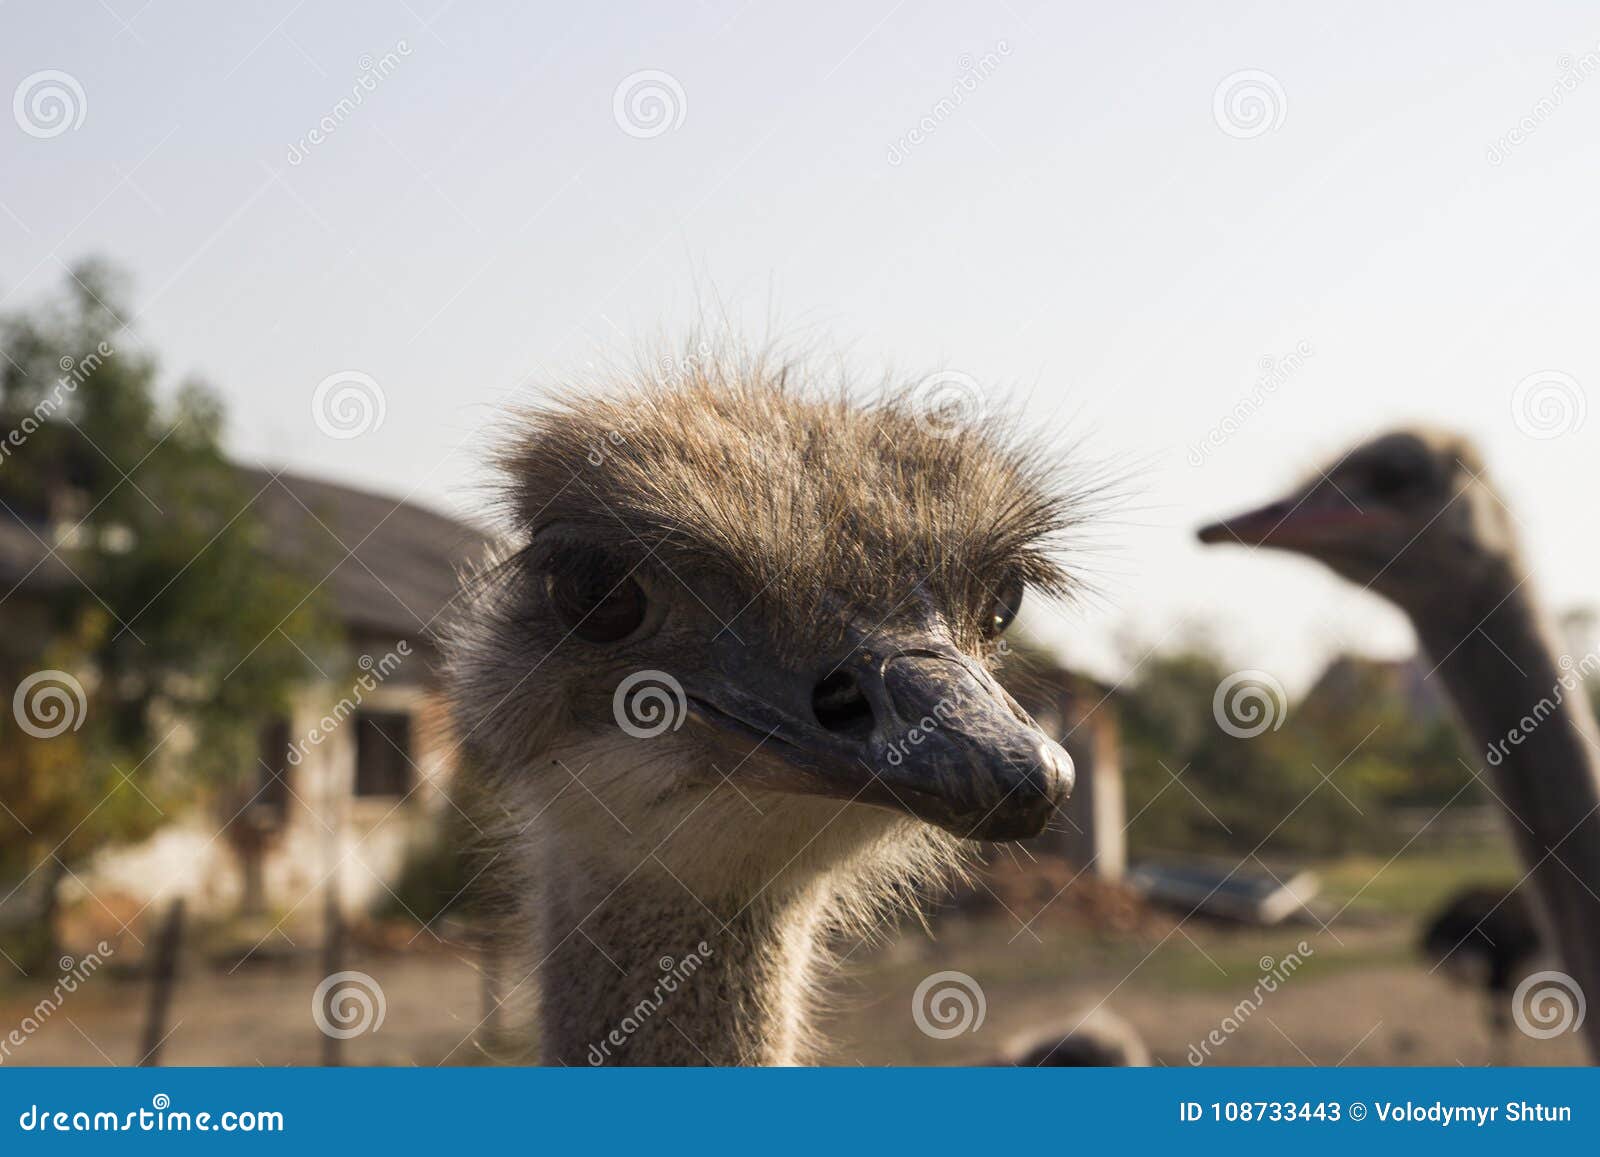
[
  {"x": 700, "y": 935},
  {"x": 641, "y": 973}
]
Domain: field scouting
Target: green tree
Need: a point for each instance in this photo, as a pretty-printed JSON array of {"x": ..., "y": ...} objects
[
  {"x": 1325, "y": 780},
  {"x": 143, "y": 576}
]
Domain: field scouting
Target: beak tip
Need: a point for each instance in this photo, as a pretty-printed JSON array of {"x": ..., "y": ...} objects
[
  {"x": 1061, "y": 773},
  {"x": 1041, "y": 793},
  {"x": 1212, "y": 532}
]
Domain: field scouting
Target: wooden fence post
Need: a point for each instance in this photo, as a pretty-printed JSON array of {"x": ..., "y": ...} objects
[{"x": 163, "y": 980}]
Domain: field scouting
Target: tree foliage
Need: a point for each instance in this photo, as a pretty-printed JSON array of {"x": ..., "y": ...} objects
[
  {"x": 161, "y": 596},
  {"x": 1327, "y": 779}
]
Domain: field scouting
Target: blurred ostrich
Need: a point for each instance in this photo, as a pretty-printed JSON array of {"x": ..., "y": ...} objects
[
  {"x": 1487, "y": 938},
  {"x": 1099, "y": 1039},
  {"x": 1412, "y": 516},
  {"x": 728, "y": 680}
]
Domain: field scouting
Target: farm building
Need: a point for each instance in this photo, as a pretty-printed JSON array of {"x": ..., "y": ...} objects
[{"x": 345, "y": 780}]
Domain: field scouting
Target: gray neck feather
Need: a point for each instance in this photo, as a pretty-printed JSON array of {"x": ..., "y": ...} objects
[
  {"x": 639, "y": 972},
  {"x": 1530, "y": 721}
]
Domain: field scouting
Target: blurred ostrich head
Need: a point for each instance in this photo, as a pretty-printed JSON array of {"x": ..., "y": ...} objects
[{"x": 1393, "y": 514}]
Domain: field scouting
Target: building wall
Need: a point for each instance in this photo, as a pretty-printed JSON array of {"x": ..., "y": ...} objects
[
  {"x": 1079, "y": 715},
  {"x": 325, "y": 830}
]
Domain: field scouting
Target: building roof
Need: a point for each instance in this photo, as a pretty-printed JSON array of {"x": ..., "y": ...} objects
[
  {"x": 392, "y": 565},
  {"x": 1348, "y": 677}
]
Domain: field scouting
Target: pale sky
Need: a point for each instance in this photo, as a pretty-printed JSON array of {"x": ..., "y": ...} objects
[{"x": 1085, "y": 231}]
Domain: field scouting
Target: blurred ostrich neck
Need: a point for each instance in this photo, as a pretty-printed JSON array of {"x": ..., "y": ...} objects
[
  {"x": 1497, "y": 656},
  {"x": 679, "y": 983},
  {"x": 1498, "y": 659}
]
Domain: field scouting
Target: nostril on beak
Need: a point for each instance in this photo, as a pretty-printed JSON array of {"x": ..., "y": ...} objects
[{"x": 840, "y": 707}]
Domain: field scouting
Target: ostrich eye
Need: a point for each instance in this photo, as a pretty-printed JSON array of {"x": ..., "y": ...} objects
[
  {"x": 1390, "y": 480},
  {"x": 1003, "y": 609},
  {"x": 595, "y": 598}
]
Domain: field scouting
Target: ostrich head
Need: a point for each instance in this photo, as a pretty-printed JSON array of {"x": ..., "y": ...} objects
[
  {"x": 748, "y": 630},
  {"x": 1393, "y": 514}
]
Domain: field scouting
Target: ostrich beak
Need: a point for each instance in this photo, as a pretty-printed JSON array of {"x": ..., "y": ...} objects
[
  {"x": 914, "y": 726},
  {"x": 1252, "y": 528},
  {"x": 1305, "y": 520}
]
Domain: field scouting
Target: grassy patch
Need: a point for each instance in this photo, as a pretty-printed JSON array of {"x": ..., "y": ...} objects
[{"x": 1417, "y": 883}]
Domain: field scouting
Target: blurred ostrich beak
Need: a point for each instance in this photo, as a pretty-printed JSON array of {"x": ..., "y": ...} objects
[
  {"x": 1302, "y": 521},
  {"x": 1251, "y": 528}
]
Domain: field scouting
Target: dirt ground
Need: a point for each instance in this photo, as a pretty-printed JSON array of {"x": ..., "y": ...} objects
[
  {"x": 1357, "y": 1003},
  {"x": 1358, "y": 999}
]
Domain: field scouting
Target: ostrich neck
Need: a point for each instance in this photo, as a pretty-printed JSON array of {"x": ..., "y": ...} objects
[
  {"x": 640, "y": 972},
  {"x": 1530, "y": 722}
]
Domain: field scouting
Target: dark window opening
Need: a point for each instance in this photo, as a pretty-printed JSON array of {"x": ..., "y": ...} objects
[
  {"x": 383, "y": 753},
  {"x": 271, "y": 794}
]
